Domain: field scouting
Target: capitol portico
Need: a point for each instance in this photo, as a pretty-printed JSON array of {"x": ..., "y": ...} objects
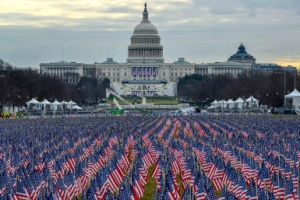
[{"x": 144, "y": 72}]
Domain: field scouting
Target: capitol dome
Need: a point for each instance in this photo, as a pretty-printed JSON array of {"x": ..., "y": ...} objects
[
  {"x": 145, "y": 42},
  {"x": 145, "y": 27}
]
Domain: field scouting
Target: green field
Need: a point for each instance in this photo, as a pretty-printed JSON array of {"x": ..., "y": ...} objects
[{"x": 155, "y": 100}]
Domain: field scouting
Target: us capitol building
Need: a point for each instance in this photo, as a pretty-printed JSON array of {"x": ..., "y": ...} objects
[{"x": 145, "y": 72}]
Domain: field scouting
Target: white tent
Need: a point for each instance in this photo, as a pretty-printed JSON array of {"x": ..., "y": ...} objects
[
  {"x": 55, "y": 104},
  {"x": 64, "y": 104},
  {"x": 72, "y": 102},
  {"x": 77, "y": 107},
  {"x": 45, "y": 102},
  {"x": 222, "y": 104},
  {"x": 295, "y": 95},
  {"x": 229, "y": 103},
  {"x": 34, "y": 102},
  {"x": 251, "y": 98},
  {"x": 238, "y": 103},
  {"x": 252, "y": 102},
  {"x": 215, "y": 104}
]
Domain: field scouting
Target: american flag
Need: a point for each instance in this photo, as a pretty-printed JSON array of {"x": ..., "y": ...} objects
[
  {"x": 91, "y": 191},
  {"x": 262, "y": 194},
  {"x": 289, "y": 189},
  {"x": 168, "y": 144},
  {"x": 263, "y": 177},
  {"x": 115, "y": 177},
  {"x": 71, "y": 185},
  {"x": 251, "y": 191},
  {"x": 134, "y": 71},
  {"x": 201, "y": 193},
  {"x": 210, "y": 193},
  {"x": 223, "y": 195},
  {"x": 154, "y": 71},
  {"x": 101, "y": 178},
  {"x": 21, "y": 192},
  {"x": 219, "y": 176},
  {"x": 61, "y": 189},
  {"x": 271, "y": 196},
  {"x": 281, "y": 190}
]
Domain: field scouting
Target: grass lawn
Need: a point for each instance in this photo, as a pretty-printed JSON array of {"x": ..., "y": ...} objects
[
  {"x": 178, "y": 180},
  {"x": 155, "y": 100},
  {"x": 150, "y": 186}
]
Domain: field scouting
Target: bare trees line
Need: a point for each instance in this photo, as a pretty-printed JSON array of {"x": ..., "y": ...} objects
[
  {"x": 267, "y": 87},
  {"x": 20, "y": 85}
]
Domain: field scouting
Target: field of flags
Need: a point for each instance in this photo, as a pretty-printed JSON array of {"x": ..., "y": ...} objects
[{"x": 120, "y": 158}]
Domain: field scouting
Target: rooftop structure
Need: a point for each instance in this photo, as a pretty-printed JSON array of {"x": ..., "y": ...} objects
[{"x": 242, "y": 56}]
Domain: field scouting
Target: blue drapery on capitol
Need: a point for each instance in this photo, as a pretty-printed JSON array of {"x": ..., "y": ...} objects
[{"x": 144, "y": 71}]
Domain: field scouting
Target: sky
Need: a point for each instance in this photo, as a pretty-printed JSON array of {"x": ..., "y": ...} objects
[{"x": 201, "y": 31}]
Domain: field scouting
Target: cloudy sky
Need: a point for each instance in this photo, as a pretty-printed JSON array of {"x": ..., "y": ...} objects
[{"x": 201, "y": 31}]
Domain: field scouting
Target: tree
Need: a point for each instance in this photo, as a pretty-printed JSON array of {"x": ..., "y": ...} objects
[{"x": 268, "y": 88}]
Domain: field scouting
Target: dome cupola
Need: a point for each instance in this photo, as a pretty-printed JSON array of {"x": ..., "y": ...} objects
[
  {"x": 242, "y": 56},
  {"x": 145, "y": 42},
  {"x": 242, "y": 49},
  {"x": 241, "y": 53},
  {"x": 145, "y": 27}
]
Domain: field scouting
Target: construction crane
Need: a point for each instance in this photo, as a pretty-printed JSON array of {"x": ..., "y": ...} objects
[{"x": 120, "y": 110}]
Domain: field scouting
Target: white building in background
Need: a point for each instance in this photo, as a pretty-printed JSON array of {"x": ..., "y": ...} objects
[{"x": 144, "y": 72}]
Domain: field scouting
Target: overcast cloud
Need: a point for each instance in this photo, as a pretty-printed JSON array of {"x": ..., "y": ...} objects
[{"x": 35, "y": 31}]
